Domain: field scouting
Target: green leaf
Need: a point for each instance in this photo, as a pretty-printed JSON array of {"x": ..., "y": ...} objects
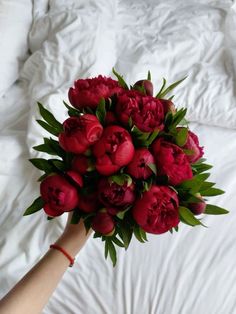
[
  {"x": 201, "y": 167},
  {"x": 153, "y": 168},
  {"x": 143, "y": 234},
  {"x": 162, "y": 87},
  {"x": 101, "y": 111},
  {"x": 51, "y": 147},
  {"x": 72, "y": 112},
  {"x": 170, "y": 88},
  {"x": 152, "y": 137},
  {"x": 125, "y": 233},
  {"x": 149, "y": 77},
  {"x": 187, "y": 217},
  {"x": 57, "y": 164},
  {"x": 44, "y": 148},
  {"x": 121, "y": 214},
  {"x": 168, "y": 119},
  {"x": 42, "y": 177},
  {"x": 48, "y": 128},
  {"x": 215, "y": 210},
  {"x": 206, "y": 185},
  {"x": 120, "y": 79},
  {"x": 188, "y": 152},
  {"x": 176, "y": 228},
  {"x": 55, "y": 146},
  {"x": 146, "y": 186},
  {"x": 178, "y": 117},
  {"x": 34, "y": 207},
  {"x": 184, "y": 122},
  {"x": 195, "y": 183},
  {"x": 106, "y": 248},
  {"x": 212, "y": 192},
  {"x": 139, "y": 134},
  {"x": 112, "y": 252},
  {"x": 200, "y": 161},
  {"x": 130, "y": 123},
  {"x": 49, "y": 118},
  {"x": 121, "y": 179},
  {"x": 181, "y": 137},
  {"x": 141, "y": 89},
  {"x": 41, "y": 164},
  {"x": 117, "y": 242},
  {"x": 138, "y": 234}
]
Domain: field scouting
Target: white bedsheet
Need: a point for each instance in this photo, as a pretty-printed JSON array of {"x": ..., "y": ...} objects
[{"x": 191, "y": 271}]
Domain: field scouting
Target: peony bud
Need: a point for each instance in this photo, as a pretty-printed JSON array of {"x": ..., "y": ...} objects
[
  {"x": 199, "y": 207},
  {"x": 103, "y": 223},
  {"x": 168, "y": 106},
  {"x": 147, "y": 86}
]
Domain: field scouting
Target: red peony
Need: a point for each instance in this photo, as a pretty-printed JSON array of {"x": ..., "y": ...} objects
[
  {"x": 113, "y": 151},
  {"x": 138, "y": 167},
  {"x": 103, "y": 223},
  {"x": 157, "y": 210},
  {"x": 80, "y": 133},
  {"x": 171, "y": 161},
  {"x": 58, "y": 194},
  {"x": 88, "y": 93},
  {"x": 115, "y": 196},
  {"x": 193, "y": 145},
  {"x": 146, "y": 112},
  {"x": 147, "y": 85}
]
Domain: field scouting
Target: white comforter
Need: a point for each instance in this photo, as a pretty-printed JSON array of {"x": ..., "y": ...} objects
[{"x": 188, "y": 272}]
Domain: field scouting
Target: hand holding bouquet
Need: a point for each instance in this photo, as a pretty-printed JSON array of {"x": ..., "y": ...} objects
[{"x": 126, "y": 163}]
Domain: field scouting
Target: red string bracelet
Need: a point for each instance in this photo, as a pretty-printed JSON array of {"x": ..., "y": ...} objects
[{"x": 57, "y": 247}]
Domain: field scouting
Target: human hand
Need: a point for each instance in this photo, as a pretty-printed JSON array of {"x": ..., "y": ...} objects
[{"x": 74, "y": 236}]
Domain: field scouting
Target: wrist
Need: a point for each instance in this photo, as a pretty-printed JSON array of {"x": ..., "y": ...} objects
[{"x": 70, "y": 244}]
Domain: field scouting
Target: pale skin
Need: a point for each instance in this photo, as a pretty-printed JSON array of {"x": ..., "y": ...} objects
[{"x": 32, "y": 292}]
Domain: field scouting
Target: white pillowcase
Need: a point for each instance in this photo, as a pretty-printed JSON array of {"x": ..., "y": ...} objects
[{"x": 15, "y": 22}]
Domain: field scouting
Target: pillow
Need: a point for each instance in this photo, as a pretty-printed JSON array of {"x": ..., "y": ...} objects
[{"x": 15, "y": 22}]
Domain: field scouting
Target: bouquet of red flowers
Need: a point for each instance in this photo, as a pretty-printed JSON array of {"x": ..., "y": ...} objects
[{"x": 126, "y": 163}]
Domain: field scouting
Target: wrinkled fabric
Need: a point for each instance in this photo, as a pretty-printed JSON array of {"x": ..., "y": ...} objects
[{"x": 191, "y": 271}]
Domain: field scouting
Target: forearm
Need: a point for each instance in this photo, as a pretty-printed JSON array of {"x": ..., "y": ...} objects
[{"x": 32, "y": 292}]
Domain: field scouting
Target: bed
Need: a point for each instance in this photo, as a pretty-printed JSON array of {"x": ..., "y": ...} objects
[{"x": 192, "y": 271}]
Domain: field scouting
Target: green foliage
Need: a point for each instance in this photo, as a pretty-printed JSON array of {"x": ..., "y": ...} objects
[
  {"x": 49, "y": 118},
  {"x": 121, "y": 179},
  {"x": 187, "y": 217},
  {"x": 181, "y": 137},
  {"x": 163, "y": 92},
  {"x": 215, "y": 210},
  {"x": 120, "y": 79},
  {"x": 140, "y": 234},
  {"x": 48, "y": 165},
  {"x": 72, "y": 112},
  {"x": 50, "y": 147},
  {"x": 110, "y": 248},
  {"x": 101, "y": 111},
  {"x": 34, "y": 207}
]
